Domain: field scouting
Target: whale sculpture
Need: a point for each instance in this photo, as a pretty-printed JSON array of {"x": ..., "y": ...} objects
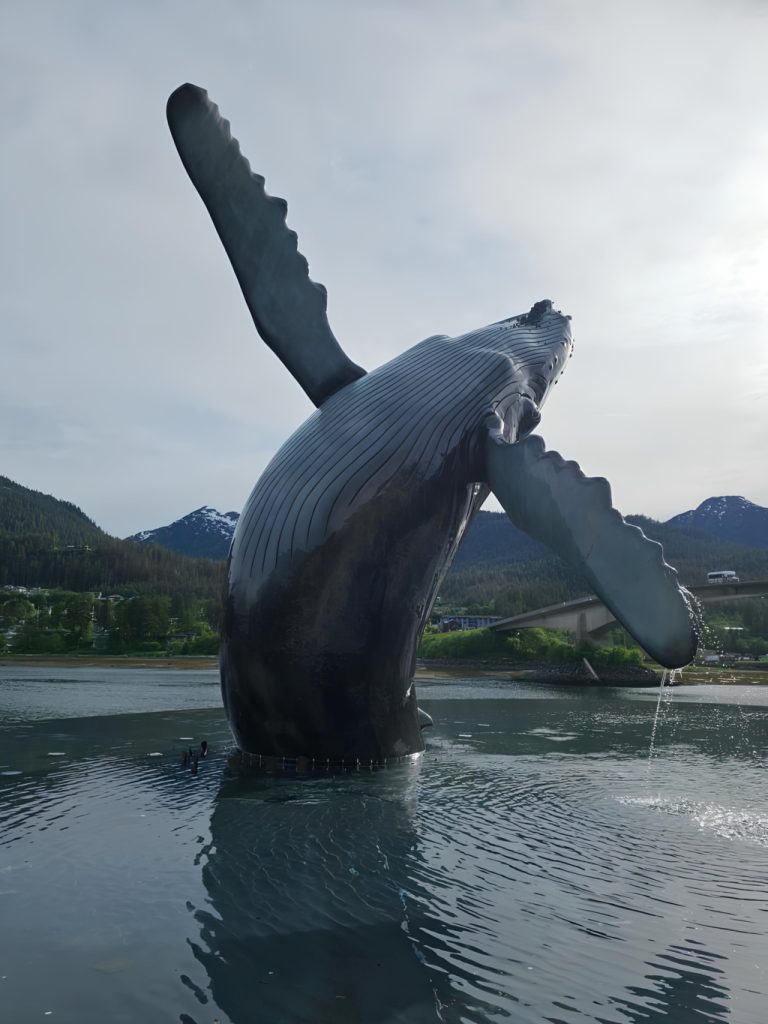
[{"x": 343, "y": 543}]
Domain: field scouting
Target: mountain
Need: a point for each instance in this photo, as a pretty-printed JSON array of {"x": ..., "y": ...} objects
[
  {"x": 46, "y": 542},
  {"x": 501, "y": 569},
  {"x": 492, "y": 540},
  {"x": 491, "y": 537},
  {"x": 204, "y": 533},
  {"x": 32, "y": 513},
  {"x": 508, "y": 585},
  {"x": 728, "y": 518},
  {"x": 207, "y": 533}
]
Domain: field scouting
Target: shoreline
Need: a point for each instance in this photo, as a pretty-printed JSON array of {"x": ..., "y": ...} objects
[
  {"x": 192, "y": 661},
  {"x": 438, "y": 669}
]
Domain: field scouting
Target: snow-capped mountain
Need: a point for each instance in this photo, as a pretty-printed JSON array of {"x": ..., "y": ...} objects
[
  {"x": 204, "y": 533},
  {"x": 729, "y": 518}
]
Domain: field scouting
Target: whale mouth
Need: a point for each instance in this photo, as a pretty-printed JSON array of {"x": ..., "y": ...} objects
[{"x": 549, "y": 350}]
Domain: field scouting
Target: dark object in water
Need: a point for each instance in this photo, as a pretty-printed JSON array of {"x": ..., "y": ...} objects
[{"x": 204, "y": 748}]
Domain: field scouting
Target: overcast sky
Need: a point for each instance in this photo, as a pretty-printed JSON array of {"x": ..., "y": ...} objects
[{"x": 445, "y": 165}]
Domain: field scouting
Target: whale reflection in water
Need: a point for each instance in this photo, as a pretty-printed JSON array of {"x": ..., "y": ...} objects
[
  {"x": 497, "y": 879},
  {"x": 307, "y": 919}
]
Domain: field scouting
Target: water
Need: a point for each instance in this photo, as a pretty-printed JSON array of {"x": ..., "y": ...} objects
[
  {"x": 530, "y": 868},
  {"x": 669, "y": 679}
]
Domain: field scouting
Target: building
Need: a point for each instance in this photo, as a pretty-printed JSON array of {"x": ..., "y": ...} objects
[{"x": 450, "y": 623}]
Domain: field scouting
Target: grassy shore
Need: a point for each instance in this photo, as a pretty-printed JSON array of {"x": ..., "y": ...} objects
[
  {"x": 108, "y": 661},
  {"x": 425, "y": 669}
]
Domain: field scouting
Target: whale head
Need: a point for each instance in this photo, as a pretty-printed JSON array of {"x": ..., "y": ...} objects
[
  {"x": 540, "y": 344},
  {"x": 533, "y": 348}
]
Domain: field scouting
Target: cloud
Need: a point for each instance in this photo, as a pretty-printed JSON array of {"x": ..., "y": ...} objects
[{"x": 445, "y": 166}]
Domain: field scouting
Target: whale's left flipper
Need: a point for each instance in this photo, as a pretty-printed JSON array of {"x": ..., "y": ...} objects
[
  {"x": 289, "y": 309},
  {"x": 552, "y": 501}
]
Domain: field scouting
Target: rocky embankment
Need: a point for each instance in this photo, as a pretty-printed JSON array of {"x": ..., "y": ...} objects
[
  {"x": 578, "y": 674},
  {"x": 575, "y": 673}
]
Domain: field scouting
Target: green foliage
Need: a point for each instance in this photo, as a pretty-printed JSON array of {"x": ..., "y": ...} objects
[
  {"x": 28, "y": 513},
  {"x": 466, "y": 643},
  {"x": 754, "y": 616},
  {"x": 541, "y": 645},
  {"x": 502, "y": 572},
  {"x": 731, "y": 641},
  {"x": 71, "y": 566},
  {"x": 32, "y": 638},
  {"x": 109, "y": 566},
  {"x": 51, "y": 623},
  {"x": 617, "y": 656},
  {"x": 15, "y": 609},
  {"x": 141, "y": 620},
  {"x": 508, "y": 589},
  {"x": 486, "y": 644},
  {"x": 63, "y": 622},
  {"x": 49, "y": 543},
  {"x": 208, "y": 644}
]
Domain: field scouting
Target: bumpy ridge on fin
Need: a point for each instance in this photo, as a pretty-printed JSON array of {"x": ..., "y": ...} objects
[
  {"x": 288, "y": 308},
  {"x": 554, "y": 502}
]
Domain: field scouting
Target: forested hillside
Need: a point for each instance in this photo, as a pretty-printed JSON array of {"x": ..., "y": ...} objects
[
  {"x": 27, "y": 513},
  {"x": 694, "y": 554},
  {"x": 45, "y": 542},
  {"x": 491, "y": 537},
  {"x": 107, "y": 565},
  {"x": 90, "y": 591},
  {"x": 504, "y": 577}
]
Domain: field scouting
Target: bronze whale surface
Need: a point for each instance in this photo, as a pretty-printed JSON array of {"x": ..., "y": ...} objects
[{"x": 342, "y": 545}]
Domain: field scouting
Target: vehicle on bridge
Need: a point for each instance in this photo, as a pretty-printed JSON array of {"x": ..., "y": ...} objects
[{"x": 722, "y": 576}]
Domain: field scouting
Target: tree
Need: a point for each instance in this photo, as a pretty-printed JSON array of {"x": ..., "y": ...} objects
[{"x": 142, "y": 619}]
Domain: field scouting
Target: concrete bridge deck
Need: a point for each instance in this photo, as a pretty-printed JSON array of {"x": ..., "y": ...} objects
[{"x": 588, "y": 616}]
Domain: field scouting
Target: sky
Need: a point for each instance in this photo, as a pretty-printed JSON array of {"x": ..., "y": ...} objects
[{"x": 446, "y": 165}]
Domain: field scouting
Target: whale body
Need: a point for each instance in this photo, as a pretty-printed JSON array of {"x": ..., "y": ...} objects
[{"x": 344, "y": 541}]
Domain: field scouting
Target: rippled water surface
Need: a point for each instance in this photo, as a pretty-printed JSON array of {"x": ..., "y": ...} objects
[{"x": 535, "y": 865}]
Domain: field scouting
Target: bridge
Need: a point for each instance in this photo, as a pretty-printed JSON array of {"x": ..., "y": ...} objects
[{"x": 588, "y": 616}]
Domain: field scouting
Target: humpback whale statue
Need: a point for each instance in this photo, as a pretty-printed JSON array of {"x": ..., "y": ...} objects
[{"x": 343, "y": 543}]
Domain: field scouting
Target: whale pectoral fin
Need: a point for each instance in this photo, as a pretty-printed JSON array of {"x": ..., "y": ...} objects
[
  {"x": 552, "y": 501},
  {"x": 289, "y": 309}
]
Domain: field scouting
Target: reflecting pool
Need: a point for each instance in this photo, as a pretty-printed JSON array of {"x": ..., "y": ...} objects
[{"x": 535, "y": 865}]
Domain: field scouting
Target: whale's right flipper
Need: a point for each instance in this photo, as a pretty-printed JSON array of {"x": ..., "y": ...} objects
[
  {"x": 552, "y": 501},
  {"x": 289, "y": 309}
]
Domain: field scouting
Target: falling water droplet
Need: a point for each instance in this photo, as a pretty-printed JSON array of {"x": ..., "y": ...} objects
[{"x": 664, "y": 677}]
